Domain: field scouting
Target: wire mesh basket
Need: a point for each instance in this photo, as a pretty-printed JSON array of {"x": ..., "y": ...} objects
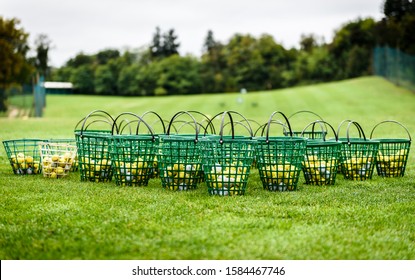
[
  {"x": 94, "y": 147},
  {"x": 321, "y": 158},
  {"x": 132, "y": 155},
  {"x": 393, "y": 153},
  {"x": 24, "y": 156},
  {"x": 227, "y": 160},
  {"x": 57, "y": 159},
  {"x": 179, "y": 159},
  {"x": 358, "y": 155},
  {"x": 279, "y": 159},
  {"x": 158, "y": 125}
]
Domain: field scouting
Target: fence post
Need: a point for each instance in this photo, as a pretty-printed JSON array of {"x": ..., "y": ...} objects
[{"x": 40, "y": 97}]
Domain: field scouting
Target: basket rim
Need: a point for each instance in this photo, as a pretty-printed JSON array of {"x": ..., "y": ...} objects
[
  {"x": 229, "y": 139},
  {"x": 321, "y": 143},
  {"x": 280, "y": 139},
  {"x": 25, "y": 139},
  {"x": 358, "y": 141},
  {"x": 134, "y": 136},
  {"x": 392, "y": 140},
  {"x": 92, "y": 135}
]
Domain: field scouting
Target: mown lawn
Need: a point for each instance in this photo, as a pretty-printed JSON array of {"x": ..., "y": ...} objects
[{"x": 47, "y": 219}]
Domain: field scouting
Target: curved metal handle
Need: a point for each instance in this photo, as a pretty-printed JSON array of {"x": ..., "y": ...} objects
[
  {"x": 91, "y": 114},
  {"x": 320, "y": 122},
  {"x": 307, "y": 111},
  {"x": 231, "y": 122},
  {"x": 358, "y": 127},
  {"x": 159, "y": 118},
  {"x": 140, "y": 120},
  {"x": 395, "y": 122},
  {"x": 269, "y": 123},
  {"x": 344, "y": 121},
  {"x": 190, "y": 115},
  {"x": 206, "y": 118},
  {"x": 263, "y": 126}
]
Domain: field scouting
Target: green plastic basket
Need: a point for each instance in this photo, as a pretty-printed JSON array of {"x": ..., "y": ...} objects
[
  {"x": 94, "y": 146},
  {"x": 227, "y": 160},
  {"x": 393, "y": 153},
  {"x": 179, "y": 159},
  {"x": 321, "y": 159},
  {"x": 132, "y": 156},
  {"x": 24, "y": 156},
  {"x": 57, "y": 159},
  {"x": 279, "y": 159},
  {"x": 358, "y": 155},
  {"x": 158, "y": 124}
]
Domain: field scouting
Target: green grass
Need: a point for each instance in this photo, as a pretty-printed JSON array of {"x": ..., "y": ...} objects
[{"x": 68, "y": 219}]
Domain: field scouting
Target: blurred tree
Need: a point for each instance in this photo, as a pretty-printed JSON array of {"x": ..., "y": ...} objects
[
  {"x": 63, "y": 73},
  {"x": 42, "y": 46},
  {"x": 255, "y": 64},
  {"x": 79, "y": 60},
  {"x": 82, "y": 79},
  {"x": 170, "y": 44},
  {"x": 164, "y": 45},
  {"x": 353, "y": 36},
  {"x": 106, "y": 76},
  {"x": 128, "y": 82},
  {"x": 104, "y": 56},
  {"x": 14, "y": 66},
  {"x": 156, "y": 45},
  {"x": 308, "y": 42},
  {"x": 104, "y": 80},
  {"x": 397, "y": 9},
  {"x": 213, "y": 65},
  {"x": 178, "y": 75},
  {"x": 210, "y": 44},
  {"x": 397, "y": 29}
]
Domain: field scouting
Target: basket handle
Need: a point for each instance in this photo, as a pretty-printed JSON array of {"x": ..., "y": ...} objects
[
  {"x": 287, "y": 122},
  {"x": 140, "y": 120},
  {"x": 239, "y": 123},
  {"x": 305, "y": 111},
  {"x": 184, "y": 123},
  {"x": 231, "y": 122},
  {"x": 359, "y": 127},
  {"x": 263, "y": 126},
  {"x": 191, "y": 116},
  {"x": 158, "y": 116},
  {"x": 109, "y": 120},
  {"x": 309, "y": 112},
  {"x": 206, "y": 118},
  {"x": 341, "y": 124},
  {"x": 320, "y": 122},
  {"x": 395, "y": 122}
]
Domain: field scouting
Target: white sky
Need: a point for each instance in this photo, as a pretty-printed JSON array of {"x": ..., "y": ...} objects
[{"x": 93, "y": 25}]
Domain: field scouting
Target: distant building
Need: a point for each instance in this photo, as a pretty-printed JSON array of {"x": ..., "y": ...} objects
[{"x": 58, "y": 87}]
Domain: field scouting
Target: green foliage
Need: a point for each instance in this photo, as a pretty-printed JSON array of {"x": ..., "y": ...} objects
[
  {"x": 179, "y": 75},
  {"x": 105, "y": 56},
  {"x": 351, "y": 48},
  {"x": 14, "y": 66},
  {"x": 397, "y": 9},
  {"x": 82, "y": 79}
]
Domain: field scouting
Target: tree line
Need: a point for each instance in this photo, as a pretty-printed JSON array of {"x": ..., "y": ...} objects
[{"x": 244, "y": 61}]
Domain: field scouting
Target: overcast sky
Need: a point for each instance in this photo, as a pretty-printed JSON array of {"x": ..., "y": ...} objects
[{"x": 93, "y": 25}]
